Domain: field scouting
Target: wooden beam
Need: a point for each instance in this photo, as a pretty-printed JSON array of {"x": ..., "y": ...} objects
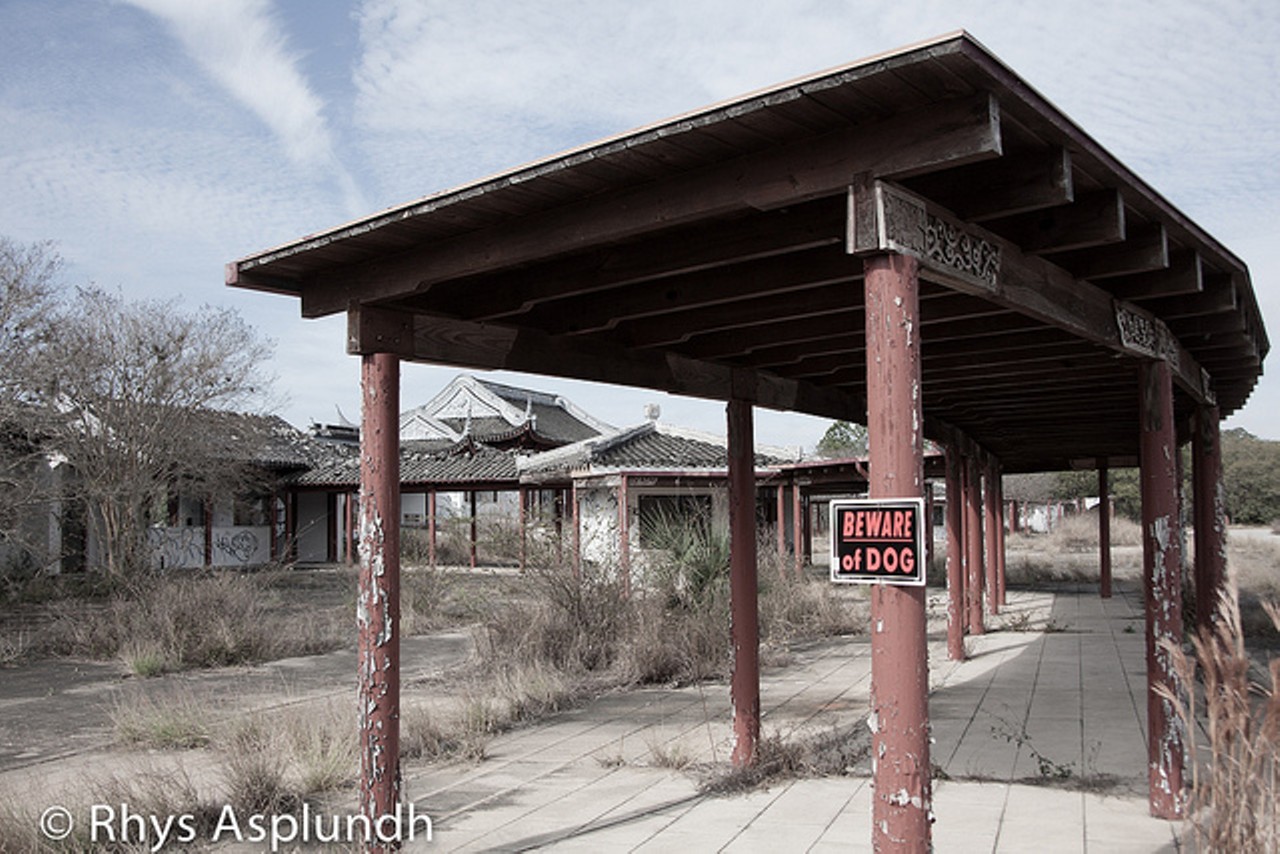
[
  {"x": 945, "y": 134},
  {"x": 708, "y": 288},
  {"x": 735, "y": 240},
  {"x": 1218, "y": 297},
  {"x": 970, "y": 259},
  {"x": 488, "y": 346},
  {"x": 1144, "y": 250},
  {"x": 655, "y": 332},
  {"x": 1185, "y": 275},
  {"x": 1013, "y": 184},
  {"x": 1095, "y": 219}
]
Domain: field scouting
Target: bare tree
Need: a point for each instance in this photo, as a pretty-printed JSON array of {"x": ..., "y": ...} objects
[
  {"x": 28, "y": 290},
  {"x": 134, "y": 396}
]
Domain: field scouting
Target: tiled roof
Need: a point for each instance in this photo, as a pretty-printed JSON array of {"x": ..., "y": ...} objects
[
  {"x": 423, "y": 461},
  {"x": 649, "y": 446}
]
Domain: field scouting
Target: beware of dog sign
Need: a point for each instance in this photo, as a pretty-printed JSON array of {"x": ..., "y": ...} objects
[{"x": 878, "y": 541}]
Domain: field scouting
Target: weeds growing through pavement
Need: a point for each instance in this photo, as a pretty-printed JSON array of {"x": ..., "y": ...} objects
[
  {"x": 1234, "y": 800},
  {"x": 835, "y": 752}
]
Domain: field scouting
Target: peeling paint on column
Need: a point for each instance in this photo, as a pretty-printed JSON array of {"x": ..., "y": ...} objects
[
  {"x": 902, "y": 786},
  {"x": 1162, "y": 589},
  {"x": 378, "y": 596}
]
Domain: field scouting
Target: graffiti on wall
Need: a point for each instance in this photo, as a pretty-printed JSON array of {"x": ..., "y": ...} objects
[
  {"x": 183, "y": 548},
  {"x": 173, "y": 548},
  {"x": 241, "y": 546}
]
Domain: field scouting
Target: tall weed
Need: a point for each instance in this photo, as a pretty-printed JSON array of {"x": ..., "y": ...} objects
[{"x": 1235, "y": 792}]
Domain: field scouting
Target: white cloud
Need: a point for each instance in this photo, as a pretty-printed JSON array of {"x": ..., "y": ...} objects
[{"x": 241, "y": 45}]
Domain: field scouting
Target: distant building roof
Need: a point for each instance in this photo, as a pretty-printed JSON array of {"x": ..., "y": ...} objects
[
  {"x": 650, "y": 446},
  {"x": 499, "y": 414}
]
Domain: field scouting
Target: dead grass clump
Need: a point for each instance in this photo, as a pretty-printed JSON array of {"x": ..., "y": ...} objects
[
  {"x": 169, "y": 623},
  {"x": 1235, "y": 792},
  {"x": 839, "y": 751},
  {"x": 1079, "y": 532},
  {"x": 178, "y": 721},
  {"x": 144, "y": 792}
]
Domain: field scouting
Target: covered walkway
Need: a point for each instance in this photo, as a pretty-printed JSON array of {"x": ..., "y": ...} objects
[
  {"x": 1040, "y": 746},
  {"x": 918, "y": 241}
]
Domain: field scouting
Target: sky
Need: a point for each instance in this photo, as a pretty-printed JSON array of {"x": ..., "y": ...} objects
[{"x": 156, "y": 140}]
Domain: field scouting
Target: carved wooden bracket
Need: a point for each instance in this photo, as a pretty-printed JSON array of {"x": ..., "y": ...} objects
[{"x": 885, "y": 218}]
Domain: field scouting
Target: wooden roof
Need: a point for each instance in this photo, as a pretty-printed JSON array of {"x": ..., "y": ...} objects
[{"x": 717, "y": 255}]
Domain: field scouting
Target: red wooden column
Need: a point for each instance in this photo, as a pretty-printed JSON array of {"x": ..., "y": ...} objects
[
  {"x": 798, "y": 526},
  {"x": 902, "y": 801},
  {"x": 928, "y": 525},
  {"x": 1104, "y": 530},
  {"x": 624, "y": 536},
  {"x": 991, "y": 514},
  {"x": 208, "y": 531},
  {"x": 431, "y": 527},
  {"x": 576, "y": 521},
  {"x": 744, "y": 618},
  {"x": 378, "y": 596},
  {"x": 472, "y": 533},
  {"x": 956, "y": 613},
  {"x": 782, "y": 529},
  {"x": 1001, "y": 564},
  {"x": 973, "y": 544},
  {"x": 522, "y": 499},
  {"x": 1162, "y": 583},
  {"x": 1210, "y": 515},
  {"x": 349, "y": 527}
]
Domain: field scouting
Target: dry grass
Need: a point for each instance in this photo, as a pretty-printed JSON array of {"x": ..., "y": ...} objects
[
  {"x": 836, "y": 752},
  {"x": 161, "y": 624},
  {"x": 1235, "y": 791}
]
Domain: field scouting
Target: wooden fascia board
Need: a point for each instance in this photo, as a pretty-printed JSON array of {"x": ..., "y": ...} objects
[
  {"x": 884, "y": 217},
  {"x": 954, "y": 132}
]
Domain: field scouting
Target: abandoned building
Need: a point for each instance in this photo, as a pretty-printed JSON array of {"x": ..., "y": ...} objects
[{"x": 792, "y": 249}]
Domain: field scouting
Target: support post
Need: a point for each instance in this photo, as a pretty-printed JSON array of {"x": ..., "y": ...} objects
[
  {"x": 348, "y": 509},
  {"x": 902, "y": 801},
  {"x": 1162, "y": 582},
  {"x": 522, "y": 498},
  {"x": 1002, "y": 571},
  {"x": 431, "y": 527},
  {"x": 576, "y": 521},
  {"x": 1104, "y": 530},
  {"x": 378, "y": 595},
  {"x": 208, "y": 531},
  {"x": 624, "y": 535},
  {"x": 742, "y": 584},
  {"x": 973, "y": 545},
  {"x": 797, "y": 522},
  {"x": 472, "y": 533},
  {"x": 991, "y": 521},
  {"x": 782, "y": 529},
  {"x": 928, "y": 526},
  {"x": 956, "y": 613},
  {"x": 1210, "y": 516}
]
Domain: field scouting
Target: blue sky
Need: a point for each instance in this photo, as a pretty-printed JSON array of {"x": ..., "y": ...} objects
[{"x": 156, "y": 140}]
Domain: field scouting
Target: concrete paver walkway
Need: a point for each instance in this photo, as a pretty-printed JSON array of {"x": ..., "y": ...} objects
[{"x": 1039, "y": 745}]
